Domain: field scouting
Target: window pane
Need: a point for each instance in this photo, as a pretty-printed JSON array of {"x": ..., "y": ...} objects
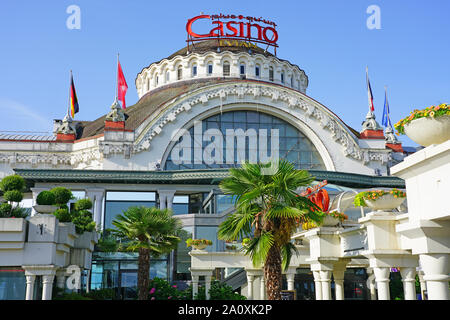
[
  {"x": 293, "y": 144},
  {"x": 130, "y": 196}
]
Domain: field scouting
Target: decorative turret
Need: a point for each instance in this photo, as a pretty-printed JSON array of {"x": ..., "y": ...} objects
[
  {"x": 392, "y": 141},
  {"x": 115, "y": 119},
  {"x": 370, "y": 128},
  {"x": 66, "y": 131}
]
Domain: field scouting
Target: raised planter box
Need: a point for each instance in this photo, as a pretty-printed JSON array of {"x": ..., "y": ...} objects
[{"x": 12, "y": 232}]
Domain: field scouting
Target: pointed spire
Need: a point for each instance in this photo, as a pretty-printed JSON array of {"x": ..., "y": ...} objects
[
  {"x": 66, "y": 131},
  {"x": 115, "y": 119}
]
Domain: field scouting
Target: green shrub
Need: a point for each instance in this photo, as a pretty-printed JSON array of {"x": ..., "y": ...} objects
[
  {"x": 83, "y": 221},
  {"x": 83, "y": 204},
  {"x": 62, "y": 195},
  {"x": 160, "y": 289},
  {"x": 5, "y": 210},
  {"x": 46, "y": 198},
  {"x": 63, "y": 215},
  {"x": 13, "y": 196},
  {"x": 19, "y": 212},
  {"x": 101, "y": 294},
  {"x": 14, "y": 182},
  {"x": 219, "y": 291},
  {"x": 107, "y": 242}
]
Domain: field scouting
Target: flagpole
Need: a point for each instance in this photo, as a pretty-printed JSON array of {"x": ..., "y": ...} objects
[
  {"x": 117, "y": 75},
  {"x": 70, "y": 88}
]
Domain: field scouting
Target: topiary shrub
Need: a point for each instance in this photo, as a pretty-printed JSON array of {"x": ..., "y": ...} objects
[
  {"x": 82, "y": 218},
  {"x": 14, "y": 182},
  {"x": 63, "y": 215},
  {"x": 62, "y": 195},
  {"x": 13, "y": 196},
  {"x": 46, "y": 198},
  {"x": 12, "y": 186},
  {"x": 83, "y": 204},
  {"x": 5, "y": 210}
]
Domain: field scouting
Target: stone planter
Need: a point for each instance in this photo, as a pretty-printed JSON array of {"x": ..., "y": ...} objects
[
  {"x": 428, "y": 131},
  {"x": 386, "y": 202},
  {"x": 329, "y": 221},
  {"x": 12, "y": 230},
  {"x": 44, "y": 209},
  {"x": 200, "y": 246}
]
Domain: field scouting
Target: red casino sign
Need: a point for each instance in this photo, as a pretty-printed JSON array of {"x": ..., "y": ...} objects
[{"x": 237, "y": 27}]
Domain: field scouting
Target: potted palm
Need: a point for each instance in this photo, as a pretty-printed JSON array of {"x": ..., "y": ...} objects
[
  {"x": 379, "y": 200},
  {"x": 150, "y": 232},
  {"x": 428, "y": 126},
  {"x": 268, "y": 211}
]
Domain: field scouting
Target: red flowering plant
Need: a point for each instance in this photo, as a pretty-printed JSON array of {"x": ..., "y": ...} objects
[
  {"x": 432, "y": 112},
  {"x": 321, "y": 199}
]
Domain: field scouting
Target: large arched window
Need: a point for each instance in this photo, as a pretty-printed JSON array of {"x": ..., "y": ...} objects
[{"x": 225, "y": 140}]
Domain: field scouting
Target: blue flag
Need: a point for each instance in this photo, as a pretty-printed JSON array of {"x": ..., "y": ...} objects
[{"x": 386, "y": 121}]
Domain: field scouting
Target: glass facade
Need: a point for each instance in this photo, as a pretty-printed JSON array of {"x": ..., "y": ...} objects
[
  {"x": 292, "y": 144},
  {"x": 118, "y": 202},
  {"x": 118, "y": 271},
  {"x": 12, "y": 283}
]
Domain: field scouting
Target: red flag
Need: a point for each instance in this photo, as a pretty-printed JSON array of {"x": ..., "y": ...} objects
[{"x": 122, "y": 86}]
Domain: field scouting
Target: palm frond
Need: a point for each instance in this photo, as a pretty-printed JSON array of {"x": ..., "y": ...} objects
[{"x": 286, "y": 254}]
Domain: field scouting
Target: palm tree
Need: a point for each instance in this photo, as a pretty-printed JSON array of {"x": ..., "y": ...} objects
[
  {"x": 268, "y": 210},
  {"x": 151, "y": 232}
]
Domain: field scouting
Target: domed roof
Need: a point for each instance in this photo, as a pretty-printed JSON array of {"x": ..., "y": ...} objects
[{"x": 234, "y": 46}]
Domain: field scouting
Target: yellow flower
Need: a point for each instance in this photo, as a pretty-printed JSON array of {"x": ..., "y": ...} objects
[{"x": 432, "y": 113}]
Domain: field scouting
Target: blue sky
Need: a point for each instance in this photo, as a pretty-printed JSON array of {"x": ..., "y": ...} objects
[{"x": 326, "y": 38}]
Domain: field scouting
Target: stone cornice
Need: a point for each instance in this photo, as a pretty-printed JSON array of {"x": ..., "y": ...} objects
[{"x": 203, "y": 176}]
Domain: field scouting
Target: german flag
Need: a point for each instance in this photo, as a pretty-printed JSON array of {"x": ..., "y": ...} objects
[{"x": 73, "y": 102}]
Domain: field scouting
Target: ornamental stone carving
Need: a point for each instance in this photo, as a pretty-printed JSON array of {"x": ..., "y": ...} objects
[
  {"x": 293, "y": 100},
  {"x": 115, "y": 114}
]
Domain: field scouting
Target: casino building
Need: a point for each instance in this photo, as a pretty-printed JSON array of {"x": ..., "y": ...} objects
[{"x": 202, "y": 110}]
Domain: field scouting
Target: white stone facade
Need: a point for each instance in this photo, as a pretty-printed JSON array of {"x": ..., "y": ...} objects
[{"x": 180, "y": 68}]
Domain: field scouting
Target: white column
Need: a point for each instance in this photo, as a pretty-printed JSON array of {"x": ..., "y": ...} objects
[
  {"x": 170, "y": 200},
  {"x": 318, "y": 285},
  {"x": 290, "y": 278},
  {"x": 423, "y": 285},
  {"x": 166, "y": 198},
  {"x": 436, "y": 270},
  {"x": 207, "y": 286},
  {"x": 96, "y": 196},
  {"x": 194, "y": 285},
  {"x": 382, "y": 279},
  {"x": 339, "y": 284},
  {"x": 250, "y": 279},
  {"x": 371, "y": 284},
  {"x": 162, "y": 201},
  {"x": 47, "y": 284},
  {"x": 409, "y": 282},
  {"x": 30, "y": 287},
  {"x": 262, "y": 288},
  {"x": 61, "y": 279},
  {"x": 325, "y": 279}
]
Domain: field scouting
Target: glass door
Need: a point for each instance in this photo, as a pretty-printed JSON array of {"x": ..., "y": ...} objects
[{"x": 128, "y": 284}]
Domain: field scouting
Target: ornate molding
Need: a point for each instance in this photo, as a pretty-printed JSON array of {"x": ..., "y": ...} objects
[{"x": 293, "y": 100}]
